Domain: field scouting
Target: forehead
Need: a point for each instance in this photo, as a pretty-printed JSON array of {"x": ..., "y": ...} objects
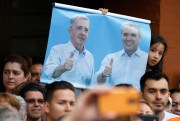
[
  {"x": 64, "y": 94},
  {"x": 13, "y": 66},
  {"x": 130, "y": 29},
  {"x": 81, "y": 21},
  {"x": 156, "y": 84},
  {"x": 33, "y": 94},
  {"x": 158, "y": 45}
]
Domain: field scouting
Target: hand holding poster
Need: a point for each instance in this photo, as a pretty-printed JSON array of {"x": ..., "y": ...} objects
[{"x": 95, "y": 39}]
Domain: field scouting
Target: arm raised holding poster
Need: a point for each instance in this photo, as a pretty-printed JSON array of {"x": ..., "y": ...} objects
[
  {"x": 128, "y": 64},
  {"x": 72, "y": 61}
]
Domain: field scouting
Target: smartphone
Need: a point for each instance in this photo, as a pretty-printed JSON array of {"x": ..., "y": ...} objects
[{"x": 121, "y": 101}]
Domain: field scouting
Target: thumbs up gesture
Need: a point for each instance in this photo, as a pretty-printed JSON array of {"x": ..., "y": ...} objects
[
  {"x": 108, "y": 69},
  {"x": 68, "y": 65}
]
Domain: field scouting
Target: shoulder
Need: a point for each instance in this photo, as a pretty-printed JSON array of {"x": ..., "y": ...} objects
[{"x": 169, "y": 115}]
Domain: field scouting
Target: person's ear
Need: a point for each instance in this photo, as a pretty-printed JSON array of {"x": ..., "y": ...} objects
[
  {"x": 46, "y": 107},
  {"x": 70, "y": 29}
]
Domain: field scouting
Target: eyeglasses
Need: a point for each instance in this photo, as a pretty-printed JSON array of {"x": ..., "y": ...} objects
[{"x": 32, "y": 101}]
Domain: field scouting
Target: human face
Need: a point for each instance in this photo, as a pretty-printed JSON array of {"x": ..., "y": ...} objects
[
  {"x": 36, "y": 71},
  {"x": 175, "y": 103},
  {"x": 156, "y": 93},
  {"x": 61, "y": 104},
  {"x": 79, "y": 32},
  {"x": 34, "y": 104},
  {"x": 131, "y": 38},
  {"x": 155, "y": 54},
  {"x": 144, "y": 109},
  {"x": 13, "y": 75}
]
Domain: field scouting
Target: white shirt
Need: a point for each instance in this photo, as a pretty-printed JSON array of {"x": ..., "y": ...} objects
[{"x": 169, "y": 116}]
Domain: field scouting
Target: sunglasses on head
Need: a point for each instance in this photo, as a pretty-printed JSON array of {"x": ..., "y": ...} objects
[{"x": 32, "y": 101}]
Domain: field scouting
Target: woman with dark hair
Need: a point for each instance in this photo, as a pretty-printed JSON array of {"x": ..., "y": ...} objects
[
  {"x": 158, "y": 48},
  {"x": 16, "y": 70}
]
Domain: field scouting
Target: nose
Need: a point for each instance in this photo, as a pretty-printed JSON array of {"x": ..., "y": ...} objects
[
  {"x": 10, "y": 75},
  {"x": 158, "y": 95},
  {"x": 156, "y": 55},
  {"x": 68, "y": 108}
]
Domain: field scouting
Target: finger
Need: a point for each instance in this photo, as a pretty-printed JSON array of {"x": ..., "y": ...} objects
[
  {"x": 71, "y": 54},
  {"x": 111, "y": 62}
]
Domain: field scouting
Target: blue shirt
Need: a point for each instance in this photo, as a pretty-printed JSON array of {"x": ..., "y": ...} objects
[
  {"x": 83, "y": 65},
  {"x": 125, "y": 69}
]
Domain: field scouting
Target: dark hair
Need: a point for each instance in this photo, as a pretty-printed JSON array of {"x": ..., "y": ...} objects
[
  {"x": 158, "y": 39},
  {"x": 175, "y": 90},
  {"x": 57, "y": 85},
  {"x": 23, "y": 88},
  {"x": 156, "y": 75},
  {"x": 124, "y": 85},
  {"x": 23, "y": 60}
]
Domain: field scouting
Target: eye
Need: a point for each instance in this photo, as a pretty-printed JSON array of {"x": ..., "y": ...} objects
[
  {"x": 164, "y": 91},
  {"x": 133, "y": 35},
  {"x": 151, "y": 91},
  {"x": 125, "y": 34}
]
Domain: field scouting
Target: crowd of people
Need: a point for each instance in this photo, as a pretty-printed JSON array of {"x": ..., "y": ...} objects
[{"x": 25, "y": 98}]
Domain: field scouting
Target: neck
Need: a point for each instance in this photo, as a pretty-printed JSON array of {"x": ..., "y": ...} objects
[
  {"x": 78, "y": 47},
  {"x": 160, "y": 115},
  {"x": 9, "y": 91}
]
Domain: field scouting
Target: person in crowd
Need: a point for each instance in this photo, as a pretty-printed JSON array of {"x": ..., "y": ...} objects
[
  {"x": 155, "y": 91},
  {"x": 7, "y": 98},
  {"x": 145, "y": 109},
  {"x": 9, "y": 113},
  {"x": 23, "y": 111},
  {"x": 158, "y": 48},
  {"x": 16, "y": 71},
  {"x": 34, "y": 95},
  {"x": 72, "y": 61},
  {"x": 60, "y": 100},
  {"x": 87, "y": 108},
  {"x": 175, "y": 95},
  {"x": 36, "y": 70},
  {"x": 116, "y": 68}
]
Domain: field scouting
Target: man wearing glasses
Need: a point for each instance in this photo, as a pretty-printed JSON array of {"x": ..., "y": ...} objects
[
  {"x": 72, "y": 61},
  {"x": 33, "y": 94}
]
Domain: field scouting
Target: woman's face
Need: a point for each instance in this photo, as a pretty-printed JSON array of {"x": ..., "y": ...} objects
[
  {"x": 13, "y": 75},
  {"x": 155, "y": 54}
]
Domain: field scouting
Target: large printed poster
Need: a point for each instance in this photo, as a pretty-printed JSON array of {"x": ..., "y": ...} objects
[{"x": 88, "y": 48}]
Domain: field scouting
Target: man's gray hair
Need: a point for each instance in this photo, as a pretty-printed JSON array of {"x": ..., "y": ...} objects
[
  {"x": 78, "y": 16},
  {"x": 130, "y": 24},
  {"x": 8, "y": 113}
]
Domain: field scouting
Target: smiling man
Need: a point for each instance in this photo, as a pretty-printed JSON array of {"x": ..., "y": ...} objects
[
  {"x": 127, "y": 65},
  {"x": 155, "y": 91}
]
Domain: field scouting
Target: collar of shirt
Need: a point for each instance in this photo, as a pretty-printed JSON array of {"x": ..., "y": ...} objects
[
  {"x": 138, "y": 52},
  {"x": 72, "y": 48}
]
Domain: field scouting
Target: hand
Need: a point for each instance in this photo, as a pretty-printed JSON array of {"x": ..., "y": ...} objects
[
  {"x": 103, "y": 10},
  {"x": 108, "y": 69},
  {"x": 68, "y": 65}
]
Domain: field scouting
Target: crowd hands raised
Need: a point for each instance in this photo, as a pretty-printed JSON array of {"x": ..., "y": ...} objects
[{"x": 26, "y": 99}]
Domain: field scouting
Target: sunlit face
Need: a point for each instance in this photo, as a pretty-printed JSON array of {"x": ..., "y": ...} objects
[
  {"x": 13, "y": 75},
  {"x": 34, "y": 104},
  {"x": 155, "y": 54},
  {"x": 79, "y": 32},
  {"x": 175, "y": 103},
  {"x": 156, "y": 94},
  {"x": 61, "y": 104},
  {"x": 36, "y": 71},
  {"x": 144, "y": 109},
  {"x": 131, "y": 38}
]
